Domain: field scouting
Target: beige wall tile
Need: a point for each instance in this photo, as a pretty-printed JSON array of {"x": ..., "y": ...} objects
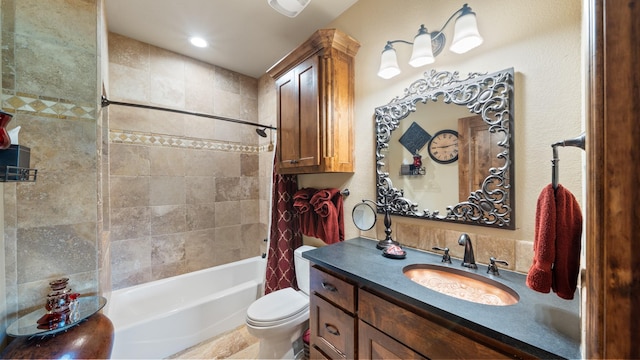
[
  {"x": 227, "y": 213},
  {"x": 198, "y": 86},
  {"x": 200, "y": 189},
  {"x": 168, "y": 219},
  {"x": 130, "y": 223},
  {"x": 128, "y": 84},
  {"x": 129, "y": 160},
  {"x": 167, "y": 249},
  {"x": 201, "y": 216},
  {"x": 226, "y": 103},
  {"x": 168, "y": 178},
  {"x": 166, "y": 91},
  {"x": 165, "y": 63},
  {"x": 129, "y": 191},
  {"x": 167, "y": 161},
  {"x": 128, "y": 52},
  {"x": 167, "y": 190},
  {"x": 58, "y": 250}
]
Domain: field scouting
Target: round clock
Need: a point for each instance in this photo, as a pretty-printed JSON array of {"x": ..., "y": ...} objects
[{"x": 443, "y": 146}]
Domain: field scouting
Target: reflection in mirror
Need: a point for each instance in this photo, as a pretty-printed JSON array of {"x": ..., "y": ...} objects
[
  {"x": 364, "y": 216},
  {"x": 444, "y": 150}
]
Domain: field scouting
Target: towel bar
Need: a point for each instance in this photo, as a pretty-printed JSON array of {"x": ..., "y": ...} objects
[{"x": 578, "y": 141}]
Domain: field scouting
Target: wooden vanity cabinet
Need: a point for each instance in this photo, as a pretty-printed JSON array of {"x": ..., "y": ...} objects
[
  {"x": 332, "y": 316},
  {"x": 315, "y": 91},
  {"x": 349, "y": 321}
]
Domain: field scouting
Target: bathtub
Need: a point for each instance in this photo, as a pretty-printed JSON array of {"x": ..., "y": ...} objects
[{"x": 160, "y": 318}]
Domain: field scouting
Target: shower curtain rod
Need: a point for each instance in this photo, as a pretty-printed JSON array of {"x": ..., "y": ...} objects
[{"x": 106, "y": 102}]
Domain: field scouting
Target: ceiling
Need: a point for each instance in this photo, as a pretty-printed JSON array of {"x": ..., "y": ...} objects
[{"x": 246, "y": 36}]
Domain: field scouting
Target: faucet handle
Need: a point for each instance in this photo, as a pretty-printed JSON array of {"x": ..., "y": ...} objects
[
  {"x": 445, "y": 257},
  {"x": 493, "y": 267}
]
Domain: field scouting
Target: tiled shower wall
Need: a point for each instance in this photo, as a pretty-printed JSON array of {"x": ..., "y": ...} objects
[
  {"x": 49, "y": 82},
  {"x": 186, "y": 192}
]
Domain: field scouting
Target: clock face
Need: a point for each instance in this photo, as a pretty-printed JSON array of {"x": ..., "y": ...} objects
[{"x": 443, "y": 146}]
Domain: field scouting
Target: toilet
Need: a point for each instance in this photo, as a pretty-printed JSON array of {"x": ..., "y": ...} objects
[{"x": 280, "y": 318}]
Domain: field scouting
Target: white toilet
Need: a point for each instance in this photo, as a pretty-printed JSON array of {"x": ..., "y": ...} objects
[{"x": 280, "y": 318}]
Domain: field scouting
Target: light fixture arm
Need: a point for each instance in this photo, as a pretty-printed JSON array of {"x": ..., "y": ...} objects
[
  {"x": 465, "y": 9},
  {"x": 390, "y": 43}
]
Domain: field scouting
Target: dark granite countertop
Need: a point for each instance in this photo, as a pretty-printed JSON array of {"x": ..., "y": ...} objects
[{"x": 543, "y": 325}]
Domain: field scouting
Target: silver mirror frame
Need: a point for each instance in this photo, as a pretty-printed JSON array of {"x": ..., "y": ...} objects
[{"x": 490, "y": 96}]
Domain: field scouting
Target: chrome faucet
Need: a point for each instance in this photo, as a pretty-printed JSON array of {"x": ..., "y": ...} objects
[{"x": 469, "y": 259}]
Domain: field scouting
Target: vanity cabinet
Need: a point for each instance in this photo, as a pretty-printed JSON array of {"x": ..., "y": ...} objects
[
  {"x": 350, "y": 321},
  {"x": 315, "y": 92},
  {"x": 332, "y": 317}
]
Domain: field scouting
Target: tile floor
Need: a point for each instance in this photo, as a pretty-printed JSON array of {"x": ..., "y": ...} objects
[{"x": 235, "y": 344}]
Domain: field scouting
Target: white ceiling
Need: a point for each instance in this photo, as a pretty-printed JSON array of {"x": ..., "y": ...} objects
[{"x": 246, "y": 36}]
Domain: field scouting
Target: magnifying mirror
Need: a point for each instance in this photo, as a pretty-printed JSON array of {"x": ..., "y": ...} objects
[{"x": 364, "y": 216}]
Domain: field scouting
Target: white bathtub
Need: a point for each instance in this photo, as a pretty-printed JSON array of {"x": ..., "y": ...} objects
[{"x": 160, "y": 318}]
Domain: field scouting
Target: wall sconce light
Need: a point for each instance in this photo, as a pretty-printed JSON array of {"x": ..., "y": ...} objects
[{"x": 426, "y": 45}]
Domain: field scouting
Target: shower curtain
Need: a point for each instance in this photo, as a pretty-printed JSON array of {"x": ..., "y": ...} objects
[{"x": 285, "y": 235}]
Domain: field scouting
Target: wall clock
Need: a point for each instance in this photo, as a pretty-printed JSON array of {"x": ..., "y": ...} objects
[{"x": 443, "y": 146}]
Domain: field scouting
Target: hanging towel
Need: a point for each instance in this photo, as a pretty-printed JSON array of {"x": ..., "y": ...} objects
[
  {"x": 328, "y": 205},
  {"x": 556, "y": 247},
  {"x": 307, "y": 218},
  {"x": 539, "y": 277},
  {"x": 568, "y": 242}
]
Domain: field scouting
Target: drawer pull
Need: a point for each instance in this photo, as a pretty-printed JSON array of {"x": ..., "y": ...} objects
[
  {"x": 332, "y": 329},
  {"x": 329, "y": 287}
]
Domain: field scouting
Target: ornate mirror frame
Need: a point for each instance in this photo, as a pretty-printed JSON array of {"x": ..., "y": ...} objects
[{"x": 490, "y": 96}]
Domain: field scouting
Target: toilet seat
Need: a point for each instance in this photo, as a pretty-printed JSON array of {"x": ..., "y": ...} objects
[{"x": 277, "y": 308}]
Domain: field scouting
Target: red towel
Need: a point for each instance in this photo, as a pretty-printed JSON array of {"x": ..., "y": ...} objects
[
  {"x": 306, "y": 216},
  {"x": 556, "y": 247},
  {"x": 328, "y": 205},
  {"x": 568, "y": 243}
]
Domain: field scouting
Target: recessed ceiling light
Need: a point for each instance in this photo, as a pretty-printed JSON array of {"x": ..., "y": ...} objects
[{"x": 199, "y": 42}]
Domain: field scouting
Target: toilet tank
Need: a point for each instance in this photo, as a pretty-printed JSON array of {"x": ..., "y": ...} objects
[{"x": 302, "y": 268}]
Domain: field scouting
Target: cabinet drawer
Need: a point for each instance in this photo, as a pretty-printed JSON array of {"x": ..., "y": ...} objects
[
  {"x": 332, "y": 330},
  {"x": 431, "y": 337},
  {"x": 333, "y": 289},
  {"x": 374, "y": 344}
]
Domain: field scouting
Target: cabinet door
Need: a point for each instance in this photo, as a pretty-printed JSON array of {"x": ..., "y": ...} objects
[
  {"x": 299, "y": 118},
  {"x": 332, "y": 330},
  {"x": 374, "y": 344}
]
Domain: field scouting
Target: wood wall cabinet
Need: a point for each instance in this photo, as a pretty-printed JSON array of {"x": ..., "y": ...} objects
[
  {"x": 315, "y": 91},
  {"x": 350, "y": 321}
]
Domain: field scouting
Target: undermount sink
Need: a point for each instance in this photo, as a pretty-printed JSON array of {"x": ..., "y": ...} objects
[{"x": 461, "y": 284}]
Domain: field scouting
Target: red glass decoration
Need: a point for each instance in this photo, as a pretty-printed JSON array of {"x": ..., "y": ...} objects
[{"x": 5, "y": 140}]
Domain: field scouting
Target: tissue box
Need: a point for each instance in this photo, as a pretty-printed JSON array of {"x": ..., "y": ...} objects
[{"x": 15, "y": 155}]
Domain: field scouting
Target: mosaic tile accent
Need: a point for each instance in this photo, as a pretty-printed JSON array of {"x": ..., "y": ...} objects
[
  {"x": 45, "y": 106},
  {"x": 138, "y": 138}
]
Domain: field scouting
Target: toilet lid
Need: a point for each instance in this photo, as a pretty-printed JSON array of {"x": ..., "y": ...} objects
[{"x": 278, "y": 305}]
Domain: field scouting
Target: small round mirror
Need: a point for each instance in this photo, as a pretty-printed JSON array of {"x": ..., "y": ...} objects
[{"x": 364, "y": 216}]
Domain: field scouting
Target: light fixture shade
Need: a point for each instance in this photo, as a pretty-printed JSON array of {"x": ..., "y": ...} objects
[
  {"x": 422, "y": 50},
  {"x": 466, "y": 35},
  {"x": 290, "y": 8},
  {"x": 388, "y": 63}
]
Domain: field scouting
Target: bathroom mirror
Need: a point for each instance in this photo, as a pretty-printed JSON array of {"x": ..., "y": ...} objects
[
  {"x": 364, "y": 216},
  {"x": 444, "y": 150}
]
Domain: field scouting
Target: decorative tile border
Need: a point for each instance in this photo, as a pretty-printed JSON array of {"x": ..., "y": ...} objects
[
  {"x": 17, "y": 102},
  {"x": 139, "y": 138}
]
